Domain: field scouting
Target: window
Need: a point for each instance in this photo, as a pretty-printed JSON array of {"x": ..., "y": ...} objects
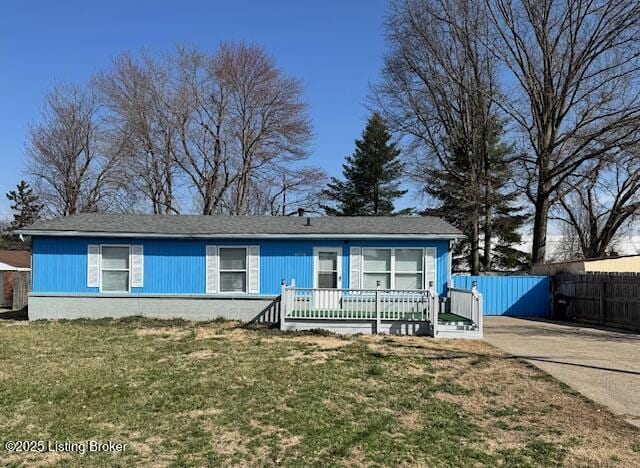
[
  {"x": 408, "y": 269},
  {"x": 394, "y": 268},
  {"x": 377, "y": 267},
  {"x": 233, "y": 269},
  {"x": 114, "y": 269}
]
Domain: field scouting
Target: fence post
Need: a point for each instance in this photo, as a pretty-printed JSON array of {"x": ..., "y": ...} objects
[
  {"x": 283, "y": 304},
  {"x": 378, "y": 308},
  {"x": 603, "y": 302}
]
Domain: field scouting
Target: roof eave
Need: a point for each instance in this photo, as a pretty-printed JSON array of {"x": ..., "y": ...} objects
[{"x": 33, "y": 232}]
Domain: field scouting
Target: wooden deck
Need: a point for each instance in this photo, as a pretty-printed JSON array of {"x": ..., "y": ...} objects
[{"x": 381, "y": 311}]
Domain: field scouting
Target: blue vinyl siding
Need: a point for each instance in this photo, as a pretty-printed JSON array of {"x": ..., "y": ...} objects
[
  {"x": 178, "y": 266},
  {"x": 520, "y": 296}
]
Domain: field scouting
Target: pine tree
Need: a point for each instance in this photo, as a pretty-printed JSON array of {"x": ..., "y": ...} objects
[
  {"x": 482, "y": 192},
  {"x": 24, "y": 204},
  {"x": 371, "y": 176},
  {"x": 26, "y": 210}
]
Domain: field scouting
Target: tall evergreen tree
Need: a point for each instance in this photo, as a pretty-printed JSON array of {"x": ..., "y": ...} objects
[
  {"x": 371, "y": 176},
  {"x": 26, "y": 209},
  {"x": 482, "y": 192},
  {"x": 24, "y": 204}
]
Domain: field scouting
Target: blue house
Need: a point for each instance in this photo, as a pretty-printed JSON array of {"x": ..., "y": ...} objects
[{"x": 389, "y": 270}]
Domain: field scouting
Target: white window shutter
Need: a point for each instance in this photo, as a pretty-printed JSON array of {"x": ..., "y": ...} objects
[
  {"x": 355, "y": 267},
  {"x": 253, "y": 264},
  {"x": 430, "y": 267},
  {"x": 93, "y": 266},
  {"x": 212, "y": 269},
  {"x": 137, "y": 266}
]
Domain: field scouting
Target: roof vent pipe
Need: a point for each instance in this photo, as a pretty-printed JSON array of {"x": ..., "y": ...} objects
[
  {"x": 300, "y": 211},
  {"x": 308, "y": 221}
]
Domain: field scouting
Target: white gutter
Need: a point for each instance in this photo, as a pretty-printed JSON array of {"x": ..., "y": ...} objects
[{"x": 236, "y": 236}]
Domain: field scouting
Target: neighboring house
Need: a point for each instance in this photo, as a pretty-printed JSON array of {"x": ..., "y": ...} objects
[
  {"x": 12, "y": 262},
  {"x": 203, "y": 267},
  {"x": 557, "y": 245},
  {"x": 618, "y": 264}
]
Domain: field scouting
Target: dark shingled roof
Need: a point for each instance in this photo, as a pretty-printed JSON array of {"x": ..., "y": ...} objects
[{"x": 249, "y": 226}]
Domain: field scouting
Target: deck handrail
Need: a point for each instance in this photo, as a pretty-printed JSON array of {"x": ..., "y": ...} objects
[
  {"x": 467, "y": 303},
  {"x": 371, "y": 290}
]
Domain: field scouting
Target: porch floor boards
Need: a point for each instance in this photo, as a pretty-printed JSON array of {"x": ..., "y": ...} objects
[{"x": 448, "y": 317}]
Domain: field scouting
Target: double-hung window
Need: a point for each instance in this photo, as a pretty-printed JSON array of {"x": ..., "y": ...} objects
[
  {"x": 408, "y": 269},
  {"x": 393, "y": 268},
  {"x": 377, "y": 267},
  {"x": 233, "y": 269},
  {"x": 114, "y": 268}
]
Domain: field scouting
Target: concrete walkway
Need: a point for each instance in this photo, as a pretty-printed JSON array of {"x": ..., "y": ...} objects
[{"x": 603, "y": 365}]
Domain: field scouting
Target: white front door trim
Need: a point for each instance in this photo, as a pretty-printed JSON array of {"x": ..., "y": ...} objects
[
  {"x": 327, "y": 299},
  {"x": 316, "y": 253}
]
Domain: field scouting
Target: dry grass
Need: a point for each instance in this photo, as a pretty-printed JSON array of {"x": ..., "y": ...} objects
[{"x": 182, "y": 393}]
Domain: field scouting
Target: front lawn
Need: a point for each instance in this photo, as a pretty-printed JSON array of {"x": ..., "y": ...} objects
[{"x": 180, "y": 393}]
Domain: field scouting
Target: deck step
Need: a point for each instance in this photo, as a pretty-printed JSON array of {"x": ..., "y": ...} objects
[
  {"x": 449, "y": 330},
  {"x": 463, "y": 334},
  {"x": 449, "y": 326}
]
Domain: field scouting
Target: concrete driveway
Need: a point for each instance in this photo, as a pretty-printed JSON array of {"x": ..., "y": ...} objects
[{"x": 603, "y": 365}]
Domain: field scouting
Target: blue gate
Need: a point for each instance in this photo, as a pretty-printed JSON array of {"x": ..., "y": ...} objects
[{"x": 520, "y": 296}]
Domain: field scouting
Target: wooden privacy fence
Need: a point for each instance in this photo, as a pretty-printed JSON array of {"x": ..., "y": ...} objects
[
  {"x": 610, "y": 299},
  {"x": 21, "y": 287}
]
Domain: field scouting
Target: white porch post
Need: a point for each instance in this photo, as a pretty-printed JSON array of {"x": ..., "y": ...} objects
[
  {"x": 474, "y": 302},
  {"x": 477, "y": 312},
  {"x": 283, "y": 304},
  {"x": 433, "y": 308},
  {"x": 378, "y": 308},
  {"x": 480, "y": 316}
]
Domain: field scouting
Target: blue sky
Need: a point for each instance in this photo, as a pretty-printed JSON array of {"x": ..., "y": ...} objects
[{"x": 335, "y": 47}]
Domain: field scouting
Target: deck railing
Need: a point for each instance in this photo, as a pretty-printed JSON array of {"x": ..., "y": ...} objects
[
  {"x": 357, "y": 304},
  {"x": 467, "y": 303}
]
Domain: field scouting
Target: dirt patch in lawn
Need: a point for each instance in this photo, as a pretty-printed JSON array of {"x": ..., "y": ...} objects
[
  {"x": 227, "y": 442},
  {"x": 201, "y": 354},
  {"x": 411, "y": 420},
  {"x": 164, "y": 332},
  {"x": 205, "y": 412},
  {"x": 216, "y": 329}
]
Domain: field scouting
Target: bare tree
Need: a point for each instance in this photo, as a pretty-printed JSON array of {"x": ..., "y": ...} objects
[
  {"x": 203, "y": 126},
  {"x": 282, "y": 192},
  {"x": 224, "y": 125},
  {"x": 270, "y": 124},
  {"x": 576, "y": 64},
  {"x": 438, "y": 87},
  {"x": 597, "y": 206},
  {"x": 566, "y": 247},
  {"x": 139, "y": 97},
  {"x": 71, "y": 166},
  {"x": 237, "y": 115}
]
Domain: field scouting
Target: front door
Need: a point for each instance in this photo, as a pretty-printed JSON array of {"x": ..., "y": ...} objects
[{"x": 327, "y": 275}]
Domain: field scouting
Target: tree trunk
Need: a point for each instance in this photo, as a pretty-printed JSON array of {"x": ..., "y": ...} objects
[
  {"x": 475, "y": 244},
  {"x": 488, "y": 222},
  {"x": 539, "y": 246},
  {"x": 488, "y": 234}
]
